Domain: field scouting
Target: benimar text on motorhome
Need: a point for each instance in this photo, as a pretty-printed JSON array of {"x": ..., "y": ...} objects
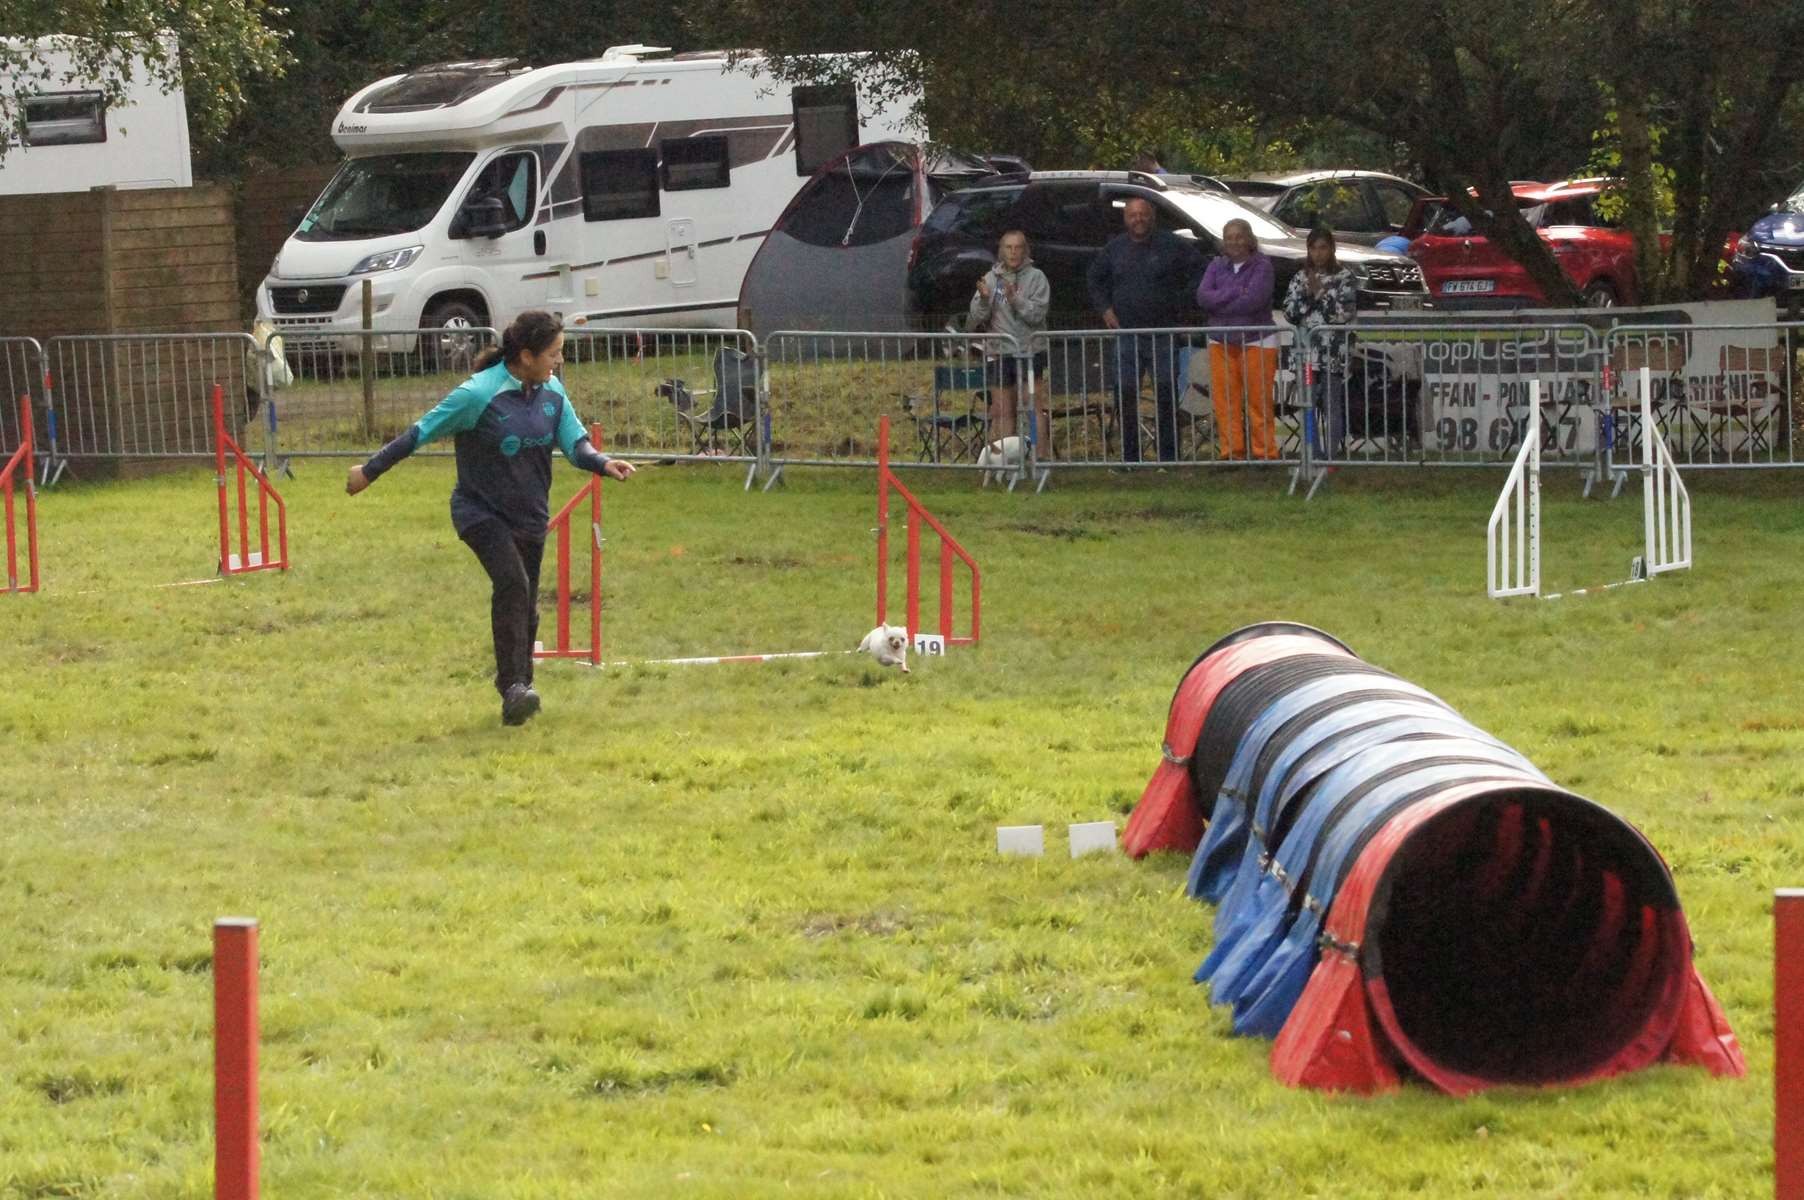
[
  {"x": 73, "y": 134},
  {"x": 631, "y": 190}
]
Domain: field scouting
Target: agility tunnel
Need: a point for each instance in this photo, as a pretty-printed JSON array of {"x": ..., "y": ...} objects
[{"x": 1398, "y": 892}]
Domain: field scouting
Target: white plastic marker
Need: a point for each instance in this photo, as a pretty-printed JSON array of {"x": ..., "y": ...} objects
[
  {"x": 1092, "y": 837},
  {"x": 1021, "y": 839}
]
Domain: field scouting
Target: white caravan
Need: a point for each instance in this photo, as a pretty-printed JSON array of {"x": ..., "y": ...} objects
[
  {"x": 70, "y": 139},
  {"x": 631, "y": 190}
]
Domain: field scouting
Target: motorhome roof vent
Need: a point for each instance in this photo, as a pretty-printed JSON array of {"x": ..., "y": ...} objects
[
  {"x": 632, "y": 53},
  {"x": 439, "y": 85}
]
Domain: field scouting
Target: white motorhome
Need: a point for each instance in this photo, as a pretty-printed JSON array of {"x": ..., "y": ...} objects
[
  {"x": 628, "y": 190},
  {"x": 69, "y": 138}
]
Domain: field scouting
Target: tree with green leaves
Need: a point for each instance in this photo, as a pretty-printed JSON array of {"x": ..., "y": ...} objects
[
  {"x": 1477, "y": 93},
  {"x": 210, "y": 48}
]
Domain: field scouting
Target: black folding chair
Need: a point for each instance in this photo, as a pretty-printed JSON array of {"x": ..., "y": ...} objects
[{"x": 729, "y": 424}]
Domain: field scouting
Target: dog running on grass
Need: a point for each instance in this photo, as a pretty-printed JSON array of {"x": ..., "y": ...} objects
[{"x": 888, "y": 644}]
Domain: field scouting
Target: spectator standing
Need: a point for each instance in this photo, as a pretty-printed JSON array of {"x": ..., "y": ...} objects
[
  {"x": 1237, "y": 292},
  {"x": 1142, "y": 280},
  {"x": 1324, "y": 293},
  {"x": 506, "y": 418},
  {"x": 1012, "y": 299}
]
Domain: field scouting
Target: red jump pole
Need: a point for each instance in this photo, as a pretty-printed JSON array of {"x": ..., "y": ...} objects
[
  {"x": 28, "y": 447},
  {"x": 1788, "y": 1044},
  {"x": 595, "y": 559},
  {"x": 219, "y": 468},
  {"x": 235, "y": 1152},
  {"x": 882, "y": 519}
]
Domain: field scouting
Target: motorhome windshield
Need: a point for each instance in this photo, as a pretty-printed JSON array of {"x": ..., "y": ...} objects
[{"x": 382, "y": 195}]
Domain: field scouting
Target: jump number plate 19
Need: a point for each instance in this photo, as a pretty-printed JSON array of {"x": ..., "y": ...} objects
[{"x": 930, "y": 643}]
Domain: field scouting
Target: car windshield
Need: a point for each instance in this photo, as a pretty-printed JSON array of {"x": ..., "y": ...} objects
[
  {"x": 1444, "y": 220},
  {"x": 1212, "y": 212},
  {"x": 382, "y": 195},
  {"x": 1795, "y": 201}
]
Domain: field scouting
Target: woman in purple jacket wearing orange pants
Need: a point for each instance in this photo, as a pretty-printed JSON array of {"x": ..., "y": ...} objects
[{"x": 1236, "y": 292}]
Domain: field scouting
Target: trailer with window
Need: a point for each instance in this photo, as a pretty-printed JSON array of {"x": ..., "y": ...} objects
[
  {"x": 74, "y": 131},
  {"x": 631, "y": 190}
]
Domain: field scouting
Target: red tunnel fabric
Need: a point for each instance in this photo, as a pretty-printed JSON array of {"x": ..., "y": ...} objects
[{"x": 1169, "y": 815}]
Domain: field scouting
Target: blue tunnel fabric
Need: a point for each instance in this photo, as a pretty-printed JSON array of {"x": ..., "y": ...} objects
[{"x": 1325, "y": 713}]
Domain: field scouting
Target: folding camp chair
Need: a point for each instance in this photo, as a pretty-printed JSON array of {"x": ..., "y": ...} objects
[
  {"x": 1081, "y": 408},
  {"x": 1664, "y": 357},
  {"x": 729, "y": 424},
  {"x": 950, "y": 425},
  {"x": 1744, "y": 398}
]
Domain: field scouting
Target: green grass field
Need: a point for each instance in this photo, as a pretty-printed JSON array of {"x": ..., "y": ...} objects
[{"x": 740, "y": 930}]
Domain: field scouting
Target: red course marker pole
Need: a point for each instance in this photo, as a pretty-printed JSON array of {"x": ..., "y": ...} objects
[
  {"x": 1788, "y": 1044},
  {"x": 883, "y": 520},
  {"x": 235, "y": 1150}
]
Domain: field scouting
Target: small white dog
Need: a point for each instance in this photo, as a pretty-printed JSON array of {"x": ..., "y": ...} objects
[
  {"x": 888, "y": 644},
  {"x": 1001, "y": 458}
]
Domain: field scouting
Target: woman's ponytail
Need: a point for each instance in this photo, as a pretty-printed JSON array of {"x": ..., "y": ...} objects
[{"x": 535, "y": 330}]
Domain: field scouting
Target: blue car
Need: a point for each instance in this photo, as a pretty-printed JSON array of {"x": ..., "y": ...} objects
[{"x": 1769, "y": 259}]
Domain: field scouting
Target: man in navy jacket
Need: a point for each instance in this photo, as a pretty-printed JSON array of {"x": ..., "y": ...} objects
[{"x": 1143, "y": 279}]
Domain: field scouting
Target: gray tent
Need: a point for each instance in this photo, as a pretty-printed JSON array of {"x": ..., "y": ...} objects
[{"x": 838, "y": 256}]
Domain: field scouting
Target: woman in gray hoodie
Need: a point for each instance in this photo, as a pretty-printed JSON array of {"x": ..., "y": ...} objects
[{"x": 1012, "y": 299}]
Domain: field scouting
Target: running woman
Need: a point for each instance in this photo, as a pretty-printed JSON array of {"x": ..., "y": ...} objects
[{"x": 506, "y": 418}]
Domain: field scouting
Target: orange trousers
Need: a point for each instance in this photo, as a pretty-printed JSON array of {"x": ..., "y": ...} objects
[{"x": 1240, "y": 384}]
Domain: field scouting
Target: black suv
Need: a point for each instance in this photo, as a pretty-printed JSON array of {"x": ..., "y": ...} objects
[{"x": 1069, "y": 216}]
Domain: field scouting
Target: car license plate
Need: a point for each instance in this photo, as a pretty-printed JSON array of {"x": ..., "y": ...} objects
[
  {"x": 1468, "y": 285},
  {"x": 1795, "y": 283},
  {"x": 1406, "y": 303}
]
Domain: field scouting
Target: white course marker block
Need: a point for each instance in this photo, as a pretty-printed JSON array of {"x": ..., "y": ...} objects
[
  {"x": 1029, "y": 840},
  {"x": 1092, "y": 837}
]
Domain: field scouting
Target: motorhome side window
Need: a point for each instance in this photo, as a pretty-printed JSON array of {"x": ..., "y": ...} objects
[
  {"x": 826, "y": 124},
  {"x": 698, "y": 162},
  {"x": 502, "y": 199},
  {"x": 64, "y": 119},
  {"x": 619, "y": 184}
]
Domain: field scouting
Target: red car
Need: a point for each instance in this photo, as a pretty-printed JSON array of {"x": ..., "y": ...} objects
[{"x": 1463, "y": 270}]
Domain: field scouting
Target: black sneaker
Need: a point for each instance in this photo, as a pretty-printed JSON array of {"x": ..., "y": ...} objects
[{"x": 518, "y": 704}]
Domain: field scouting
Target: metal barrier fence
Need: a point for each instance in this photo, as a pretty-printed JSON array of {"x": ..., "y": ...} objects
[
  {"x": 1415, "y": 394},
  {"x": 21, "y": 374},
  {"x": 1089, "y": 383},
  {"x": 682, "y": 394},
  {"x": 353, "y": 392},
  {"x": 1451, "y": 395},
  {"x": 1721, "y": 395},
  {"x": 146, "y": 395},
  {"x": 828, "y": 392}
]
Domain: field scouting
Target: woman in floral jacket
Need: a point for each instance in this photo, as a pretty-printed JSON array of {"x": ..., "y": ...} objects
[{"x": 1324, "y": 293}]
